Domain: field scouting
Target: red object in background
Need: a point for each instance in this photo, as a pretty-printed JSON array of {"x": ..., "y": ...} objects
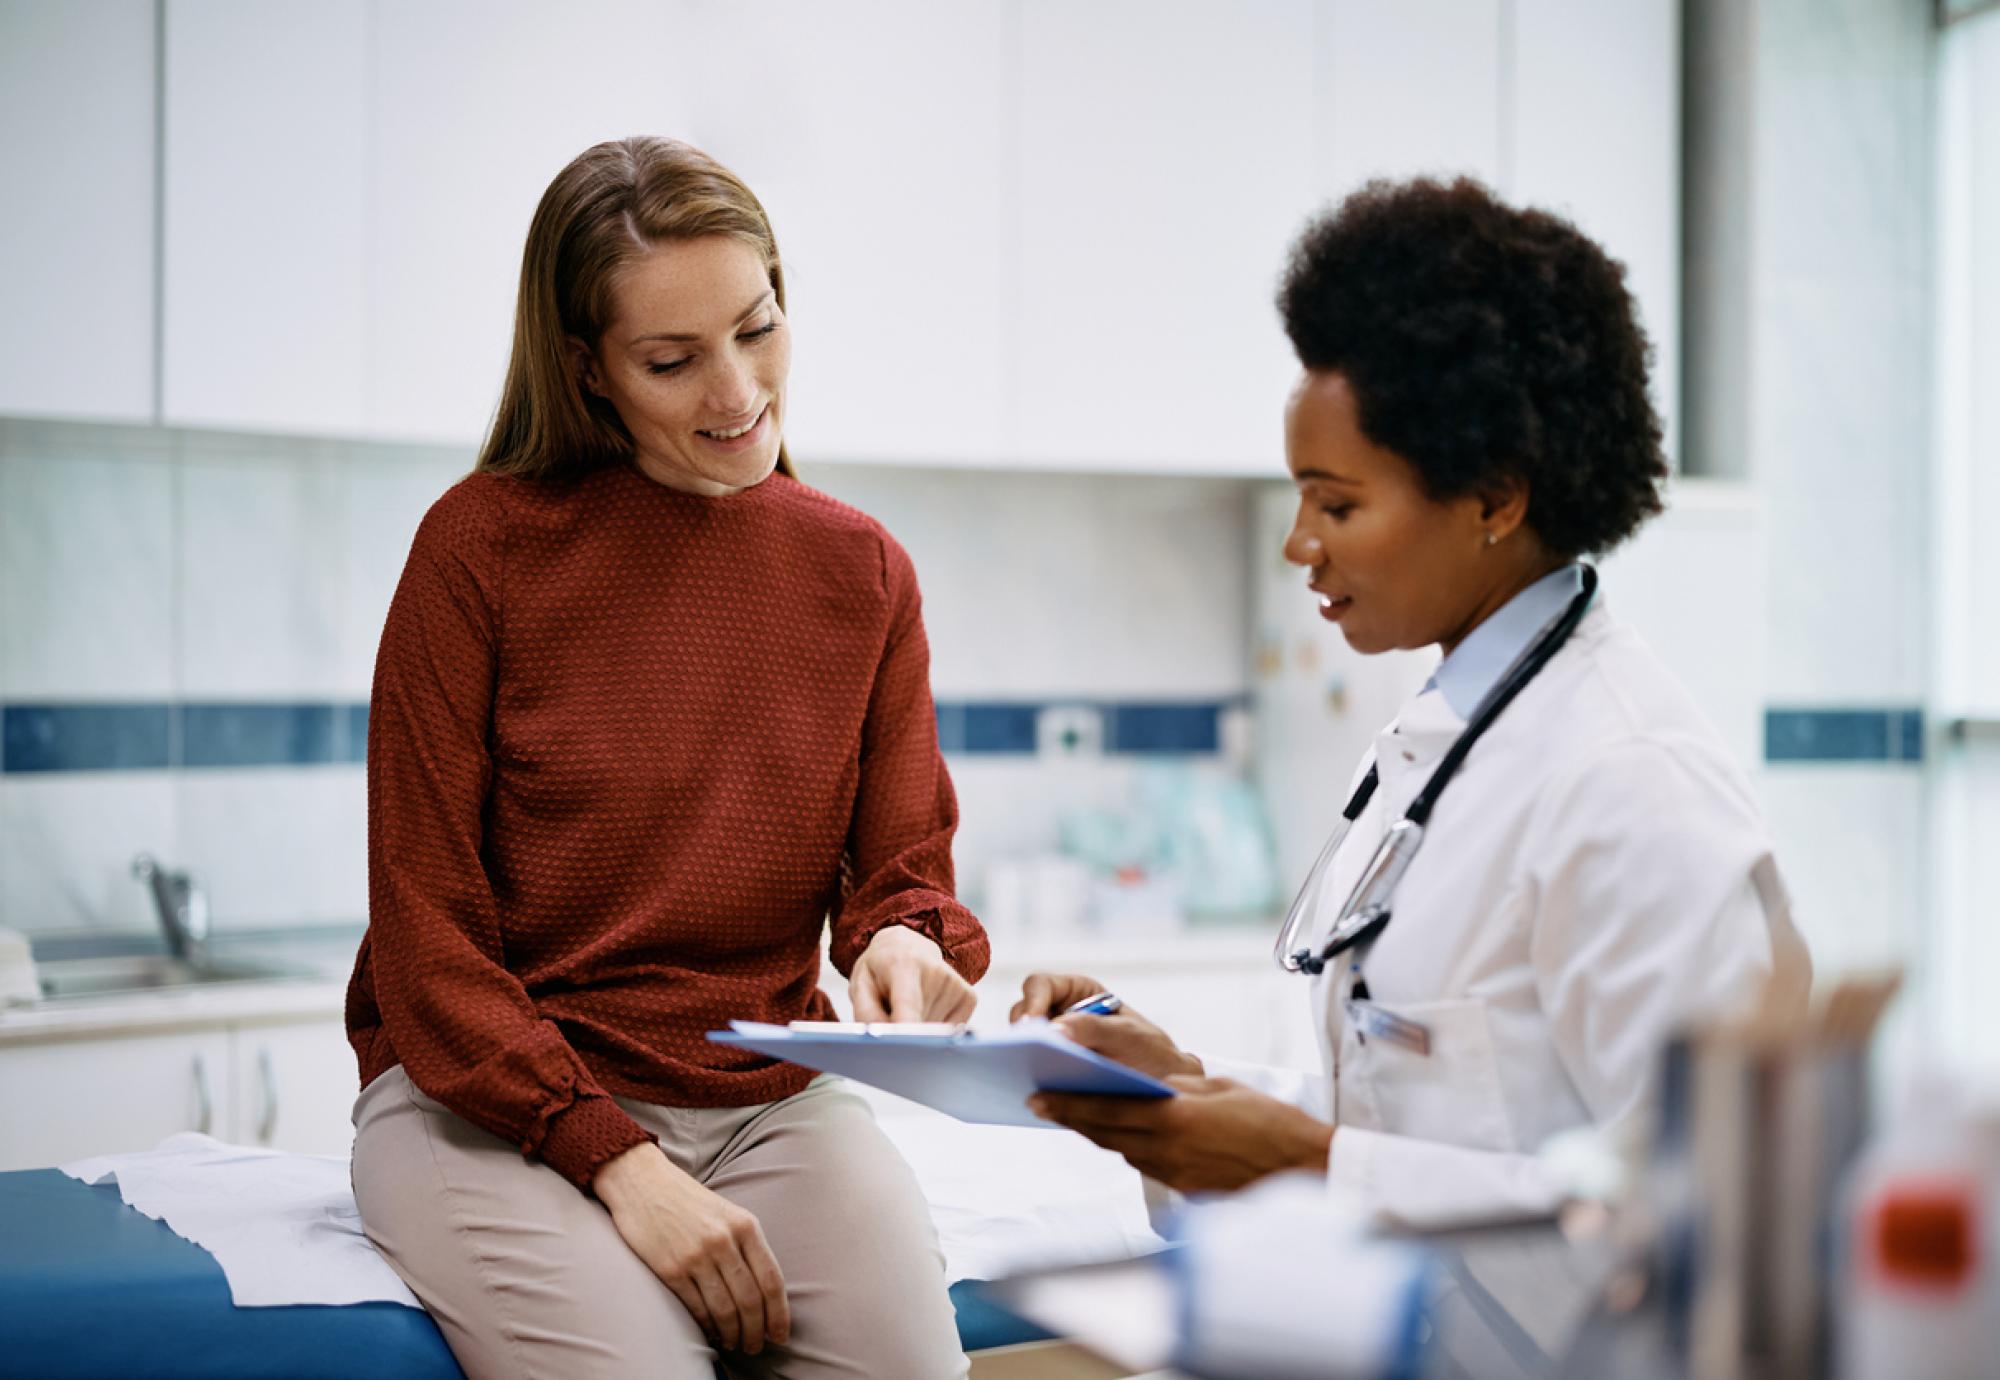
[{"x": 1925, "y": 1235}]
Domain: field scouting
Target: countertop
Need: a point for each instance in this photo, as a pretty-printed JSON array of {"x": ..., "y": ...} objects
[{"x": 324, "y": 956}]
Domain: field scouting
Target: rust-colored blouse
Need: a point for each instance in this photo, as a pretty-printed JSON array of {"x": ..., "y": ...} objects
[{"x": 628, "y": 749}]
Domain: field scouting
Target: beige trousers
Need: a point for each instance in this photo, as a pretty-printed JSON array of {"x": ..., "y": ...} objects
[{"x": 526, "y": 1276}]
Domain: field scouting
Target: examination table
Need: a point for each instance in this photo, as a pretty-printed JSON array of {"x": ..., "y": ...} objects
[{"x": 92, "y": 1288}]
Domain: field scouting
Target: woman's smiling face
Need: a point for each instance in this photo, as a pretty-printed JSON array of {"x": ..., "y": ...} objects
[
  {"x": 1394, "y": 567},
  {"x": 695, "y": 361}
]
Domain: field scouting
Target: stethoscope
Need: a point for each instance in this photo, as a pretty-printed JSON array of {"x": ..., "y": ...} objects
[{"x": 1368, "y": 906}]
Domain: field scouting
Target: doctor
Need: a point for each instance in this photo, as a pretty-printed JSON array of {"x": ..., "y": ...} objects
[{"x": 1472, "y": 419}]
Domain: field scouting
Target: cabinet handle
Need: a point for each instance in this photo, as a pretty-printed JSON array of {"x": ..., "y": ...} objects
[
  {"x": 268, "y": 1123},
  {"x": 204, "y": 1106}
]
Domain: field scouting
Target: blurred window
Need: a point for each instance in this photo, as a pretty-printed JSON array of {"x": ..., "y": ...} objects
[{"x": 1966, "y": 633}]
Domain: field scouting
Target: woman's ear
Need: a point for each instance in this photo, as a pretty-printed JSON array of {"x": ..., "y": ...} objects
[
  {"x": 583, "y": 365},
  {"x": 1503, "y": 508}
]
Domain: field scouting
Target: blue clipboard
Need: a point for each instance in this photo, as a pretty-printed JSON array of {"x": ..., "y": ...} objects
[{"x": 981, "y": 1077}]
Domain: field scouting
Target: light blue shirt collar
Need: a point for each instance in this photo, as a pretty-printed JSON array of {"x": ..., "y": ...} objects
[{"x": 1477, "y": 663}]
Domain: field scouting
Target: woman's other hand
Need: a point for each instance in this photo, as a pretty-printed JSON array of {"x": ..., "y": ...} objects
[
  {"x": 710, "y": 1252},
  {"x": 1215, "y": 1135},
  {"x": 902, "y": 976},
  {"x": 1126, "y": 1038}
]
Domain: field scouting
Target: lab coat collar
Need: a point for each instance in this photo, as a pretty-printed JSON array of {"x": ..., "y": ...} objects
[{"x": 1477, "y": 663}]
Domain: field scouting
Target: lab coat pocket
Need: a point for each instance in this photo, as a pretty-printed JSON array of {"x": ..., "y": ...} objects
[{"x": 1431, "y": 1071}]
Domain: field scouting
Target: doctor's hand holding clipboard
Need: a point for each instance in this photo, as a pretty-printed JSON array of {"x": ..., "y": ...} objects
[
  {"x": 1216, "y": 1135},
  {"x": 1549, "y": 861}
]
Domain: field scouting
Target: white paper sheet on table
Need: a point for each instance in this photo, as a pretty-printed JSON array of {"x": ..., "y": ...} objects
[
  {"x": 283, "y": 1227},
  {"x": 285, "y": 1230}
]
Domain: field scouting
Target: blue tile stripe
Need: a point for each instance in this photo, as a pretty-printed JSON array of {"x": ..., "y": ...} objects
[
  {"x": 85, "y": 737},
  {"x": 1843, "y": 735},
  {"x": 153, "y": 736},
  {"x": 1001, "y": 727}
]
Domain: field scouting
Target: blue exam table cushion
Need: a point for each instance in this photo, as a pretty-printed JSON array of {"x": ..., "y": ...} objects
[{"x": 92, "y": 1288}]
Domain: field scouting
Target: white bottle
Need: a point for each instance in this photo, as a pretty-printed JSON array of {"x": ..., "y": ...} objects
[{"x": 1919, "y": 1292}]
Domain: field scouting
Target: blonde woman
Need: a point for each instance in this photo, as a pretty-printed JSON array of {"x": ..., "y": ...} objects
[{"x": 647, "y": 712}]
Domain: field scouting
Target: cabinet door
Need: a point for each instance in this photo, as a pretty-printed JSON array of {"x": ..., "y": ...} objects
[
  {"x": 73, "y": 1098},
  {"x": 1596, "y": 123},
  {"x": 76, "y": 159},
  {"x": 265, "y": 322},
  {"x": 295, "y": 1087},
  {"x": 1407, "y": 89},
  {"x": 1165, "y": 163},
  {"x": 883, "y": 175},
  {"x": 476, "y": 106}
]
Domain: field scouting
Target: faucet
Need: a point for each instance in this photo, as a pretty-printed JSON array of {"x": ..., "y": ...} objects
[{"x": 182, "y": 907}]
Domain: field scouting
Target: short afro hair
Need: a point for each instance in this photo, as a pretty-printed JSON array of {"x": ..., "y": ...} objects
[{"x": 1484, "y": 343}]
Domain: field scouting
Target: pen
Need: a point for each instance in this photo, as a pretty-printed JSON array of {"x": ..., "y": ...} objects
[{"x": 1103, "y": 1004}]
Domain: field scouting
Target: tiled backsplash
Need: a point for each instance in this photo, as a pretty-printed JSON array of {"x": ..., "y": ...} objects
[{"x": 188, "y": 623}]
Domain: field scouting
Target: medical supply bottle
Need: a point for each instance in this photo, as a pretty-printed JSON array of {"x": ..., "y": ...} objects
[{"x": 1920, "y": 1297}]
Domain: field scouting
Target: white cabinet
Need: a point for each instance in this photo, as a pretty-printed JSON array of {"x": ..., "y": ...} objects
[
  {"x": 1027, "y": 232},
  {"x": 295, "y": 1086},
  {"x": 286, "y": 1084},
  {"x": 266, "y": 200},
  {"x": 76, "y": 244},
  {"x": 474, "y": 108},
  {"x": 1595, "y": 113},
  {"x": 884, "y": 172},
  {"x": 1164, "y": 165},
  {"x": 1406, "y": 89},
  {"x": 71, "y": 1098}
]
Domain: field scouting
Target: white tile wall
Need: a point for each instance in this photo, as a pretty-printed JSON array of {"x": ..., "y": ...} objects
[
  {"x": 1061, "y": 584},
  {"x": 276, "y": 845},
  {"x": 1851, "y": 841},
  {"x": 86, "y": 570},
  {"x": 386, "y": 490},
  {"x": 191, "y": 565},
  {"x": 261, "y": 587},
  {"x": 1839, "y": 390},
  {"x": 67, "y": 843},
  {"x": 1840, "y": 349}
]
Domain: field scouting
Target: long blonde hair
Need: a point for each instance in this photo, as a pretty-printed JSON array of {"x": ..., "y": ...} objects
[{"x": 613, "y": 202}]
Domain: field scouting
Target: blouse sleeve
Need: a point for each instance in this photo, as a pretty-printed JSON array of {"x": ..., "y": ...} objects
[
  {"x": 464, "y": 1027},
  {"x": 899, "y": 844}
]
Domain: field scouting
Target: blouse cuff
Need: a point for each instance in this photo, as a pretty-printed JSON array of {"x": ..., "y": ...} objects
[
  {"x": 585, "y": 1134},
  {"x": 847, "y": 950}
]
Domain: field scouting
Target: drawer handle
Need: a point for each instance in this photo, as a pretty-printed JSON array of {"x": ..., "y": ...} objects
[
  {"x": 204, "y": 1105},
  {"x": 268, "y": 1123}
]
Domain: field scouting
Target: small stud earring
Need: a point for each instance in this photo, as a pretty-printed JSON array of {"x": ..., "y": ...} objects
[{"x": 1492, "y": 540}]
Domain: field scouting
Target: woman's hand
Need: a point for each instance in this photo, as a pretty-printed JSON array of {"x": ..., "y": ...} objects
[
  {"x": 1127, "y": 1038},
  {"x": 710, "y": 1252},
  {"x": 1215, "y": 1136},
  {"x": 902, "y": 976}
]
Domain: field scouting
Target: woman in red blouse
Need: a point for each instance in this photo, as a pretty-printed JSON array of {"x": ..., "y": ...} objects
[{"x": 647, "y": 713}]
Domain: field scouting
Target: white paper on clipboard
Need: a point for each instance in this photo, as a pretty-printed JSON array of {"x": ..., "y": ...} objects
[{"x": 983, "y": 1077}]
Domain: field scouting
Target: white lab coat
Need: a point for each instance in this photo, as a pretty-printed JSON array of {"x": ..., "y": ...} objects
[{"x": 1595, "y": 874}]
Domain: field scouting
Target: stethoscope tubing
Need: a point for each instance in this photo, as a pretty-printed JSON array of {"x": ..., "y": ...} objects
[{"x": 1369, "y": 906}]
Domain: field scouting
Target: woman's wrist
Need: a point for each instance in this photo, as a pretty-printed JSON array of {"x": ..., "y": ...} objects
[{"x": 625, "y": 1172}]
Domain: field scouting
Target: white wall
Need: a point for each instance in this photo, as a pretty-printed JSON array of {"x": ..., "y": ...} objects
[
  {"x": 1966, "y": 802},
  {"x": 139, "y": 564},
  {"x": 1834, "y": 291}
]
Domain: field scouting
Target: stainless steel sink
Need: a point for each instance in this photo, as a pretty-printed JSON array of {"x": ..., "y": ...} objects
[{"x": 105, "y": 976}]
